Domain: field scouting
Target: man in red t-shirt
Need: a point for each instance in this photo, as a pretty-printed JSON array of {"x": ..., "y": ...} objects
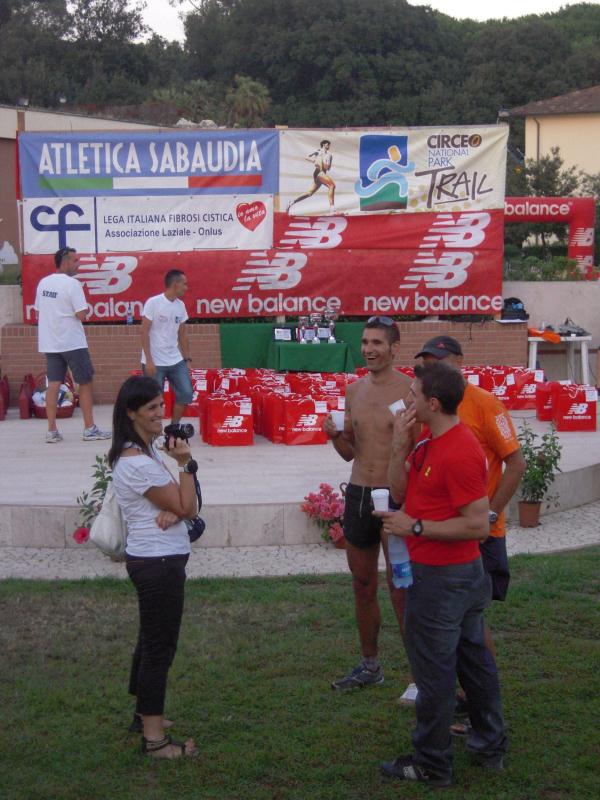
[
  {"x": 489, "y": 420},
  {"x": 442, "y": 483}
]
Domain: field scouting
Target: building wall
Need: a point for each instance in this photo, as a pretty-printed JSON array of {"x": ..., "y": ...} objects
[
  {"x": 10, "y": 250},
  {"x": 577, "y": 135},
  {"x": 115, "y": 349},
  {"x": 13, "y": 120}
]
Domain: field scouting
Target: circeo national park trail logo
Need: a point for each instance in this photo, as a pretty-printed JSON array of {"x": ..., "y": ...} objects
[{"x": 384, "y": 165}]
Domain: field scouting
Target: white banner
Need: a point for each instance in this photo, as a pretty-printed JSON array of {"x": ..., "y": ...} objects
[
  {"x": 50, "y": 223},
  {"x": 157, "y": 224},
  {"x": 397, "y": 170},
  {"x": 170, "y": 224}
]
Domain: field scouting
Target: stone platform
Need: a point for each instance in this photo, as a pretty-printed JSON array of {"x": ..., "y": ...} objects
[{"x": 252, "y": 495}]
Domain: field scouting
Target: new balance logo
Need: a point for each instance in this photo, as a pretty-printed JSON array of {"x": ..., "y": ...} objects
[
  {"x": 582, "y": 237},
  {"x": 112, "y": 276},
  {"x": 282, "y": 271},
  {"x": 308, "y": 421},
  {"x": 233, "y": 422},
  {"x": 323, "y": 233},
  {"x": 577, "y": 409},
  {"x": 443, "y": 258}
]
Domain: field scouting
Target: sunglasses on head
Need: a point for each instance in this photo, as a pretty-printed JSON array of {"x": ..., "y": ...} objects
[{"x": 381, "y": 321}]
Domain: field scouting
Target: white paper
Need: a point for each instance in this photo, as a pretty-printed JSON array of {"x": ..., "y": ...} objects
[{"x": 399, "y": 405}]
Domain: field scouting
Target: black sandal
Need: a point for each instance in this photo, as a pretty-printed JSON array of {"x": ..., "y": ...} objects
[{"x": 150, "y": 746}]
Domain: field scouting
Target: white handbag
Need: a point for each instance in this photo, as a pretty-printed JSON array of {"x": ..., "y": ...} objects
[{"x": 109, "y": 531}]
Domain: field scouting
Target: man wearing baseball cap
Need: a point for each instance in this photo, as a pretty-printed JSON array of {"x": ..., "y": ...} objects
[{"x": 487, "y": 417}]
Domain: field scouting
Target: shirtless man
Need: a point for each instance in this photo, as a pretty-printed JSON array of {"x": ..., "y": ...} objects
[{"x": 366, "y": 441}]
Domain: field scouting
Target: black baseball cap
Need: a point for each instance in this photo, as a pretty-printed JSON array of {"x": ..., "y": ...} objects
[{"x": 440, "y": 347}]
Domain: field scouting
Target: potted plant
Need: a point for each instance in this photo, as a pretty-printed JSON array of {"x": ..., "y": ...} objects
[
  {"x": 326, "y": 509},
  {"x": 542, "y": 455}
]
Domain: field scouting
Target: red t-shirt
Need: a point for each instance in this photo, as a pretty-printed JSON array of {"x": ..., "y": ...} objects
[{"x": 446, "y": 473}]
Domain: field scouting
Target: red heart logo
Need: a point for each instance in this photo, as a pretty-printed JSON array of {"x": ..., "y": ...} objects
[{"x": 251, "y": 214}]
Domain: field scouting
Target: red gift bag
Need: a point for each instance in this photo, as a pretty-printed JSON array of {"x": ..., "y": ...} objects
[
  {"x": 4, "y": 396},
  {"x": 25, "y": 392},
  {"x": 502, "y": 384},
  {"x": 169, "y": 400},
  {"x": 273, "y": 417},
  {"x": 229, "y": 421},
  {"x": 304, "y": 421},
  {"x": 527, "y": 382},
  {"x": 544, "y": 399},
  {"x": 200, "y": 391},
  {"x": 574, "y": 408},
  {"x": 476, "y": 376}
]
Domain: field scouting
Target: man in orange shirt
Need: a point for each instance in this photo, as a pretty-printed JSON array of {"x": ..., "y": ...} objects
[{"x": 490, "y": 422}]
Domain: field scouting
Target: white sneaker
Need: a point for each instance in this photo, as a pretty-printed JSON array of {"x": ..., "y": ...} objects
[
  {"x": 53, "y": 436},
  {"x": 409, "y": 696},
  {"x": 94, "y": 433}
]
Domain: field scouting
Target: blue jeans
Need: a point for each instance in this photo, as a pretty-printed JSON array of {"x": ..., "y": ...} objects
[
  {"x": 444, "y": 640},
  {"x": 178, "y": 376}
]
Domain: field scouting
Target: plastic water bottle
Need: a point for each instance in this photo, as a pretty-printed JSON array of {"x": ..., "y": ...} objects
[
  {"x": 129, "y": 317},
  {"x": 399, "y": 562}
]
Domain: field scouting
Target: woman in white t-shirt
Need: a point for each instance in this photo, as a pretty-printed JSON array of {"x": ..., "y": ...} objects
[{"x": 154, "y": 506}]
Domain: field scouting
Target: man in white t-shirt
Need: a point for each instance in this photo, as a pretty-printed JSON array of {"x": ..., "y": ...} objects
[
  {"x": 61, "y": 308},
  {"x": 165, "y": 346}
]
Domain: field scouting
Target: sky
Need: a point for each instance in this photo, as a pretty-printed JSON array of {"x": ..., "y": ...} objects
[{"x": 164, "y": 19}]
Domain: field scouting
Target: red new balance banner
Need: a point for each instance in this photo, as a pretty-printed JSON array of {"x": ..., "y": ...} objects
[
  {"x": 447, "y": 263},
  {"x": 266, "y": 222}
]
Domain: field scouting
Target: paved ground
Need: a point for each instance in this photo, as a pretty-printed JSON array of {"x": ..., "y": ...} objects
[
  {"x": 565, "y": 530},
  {"x": 39, "y": 474}
]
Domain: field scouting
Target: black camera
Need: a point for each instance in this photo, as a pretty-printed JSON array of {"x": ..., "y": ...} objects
[{"x": 178, "y": 430}]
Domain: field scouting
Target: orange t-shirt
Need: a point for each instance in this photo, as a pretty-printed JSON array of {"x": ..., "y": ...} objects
[{"x": 489, "y": 420}]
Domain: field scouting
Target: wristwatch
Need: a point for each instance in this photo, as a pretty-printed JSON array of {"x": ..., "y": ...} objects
[
  {"x": 191, "y": 468},
  {"x": 417, "y": 528},
  {"x": 493, "y": 517},
  {"x": 188, "y": 359}
]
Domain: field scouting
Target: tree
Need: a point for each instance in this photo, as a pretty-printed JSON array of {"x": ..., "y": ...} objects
[
  {"x": 98, "y": 21},
  {"x": 545, "y": 177},
  {"x": 248, "y": 103}
]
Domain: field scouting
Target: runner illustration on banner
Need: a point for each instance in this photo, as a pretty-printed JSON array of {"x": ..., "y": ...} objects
[{"x": 322, "y": 160}]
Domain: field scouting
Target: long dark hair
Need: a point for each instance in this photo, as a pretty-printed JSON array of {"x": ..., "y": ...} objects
[{"x": 133, "y": 394}]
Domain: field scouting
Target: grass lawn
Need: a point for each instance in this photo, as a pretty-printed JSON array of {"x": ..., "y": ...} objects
[{"x": 251, "y": 684}]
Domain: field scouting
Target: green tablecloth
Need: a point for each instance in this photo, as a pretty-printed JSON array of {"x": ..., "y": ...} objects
[
  {"x": 310, "y": 357},
  {"x": 246, "y": 344}
]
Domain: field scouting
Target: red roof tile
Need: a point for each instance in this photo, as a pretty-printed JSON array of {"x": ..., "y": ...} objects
[{"x": 583, "y": 101}]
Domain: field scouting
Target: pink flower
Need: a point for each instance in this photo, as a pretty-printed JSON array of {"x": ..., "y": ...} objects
[
  {"x": 81, "y": 535},
  {"x": 336, "y": 532},
  {"x": 326, "y": 509}
]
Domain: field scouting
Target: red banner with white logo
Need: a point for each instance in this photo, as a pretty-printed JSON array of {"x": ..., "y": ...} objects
[{"x": 428, "y": 263}]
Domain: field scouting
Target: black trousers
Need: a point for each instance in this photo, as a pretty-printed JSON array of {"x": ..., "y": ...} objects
[
  {"x": 444, "y": 639},
  {"x": 159, "y": 583}
]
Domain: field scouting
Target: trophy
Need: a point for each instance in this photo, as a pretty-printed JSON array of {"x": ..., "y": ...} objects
[
  {"x": 302, "y": 325},
  {"x": 330, "y": 318},
  {"x": 315, "y": 320}
]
